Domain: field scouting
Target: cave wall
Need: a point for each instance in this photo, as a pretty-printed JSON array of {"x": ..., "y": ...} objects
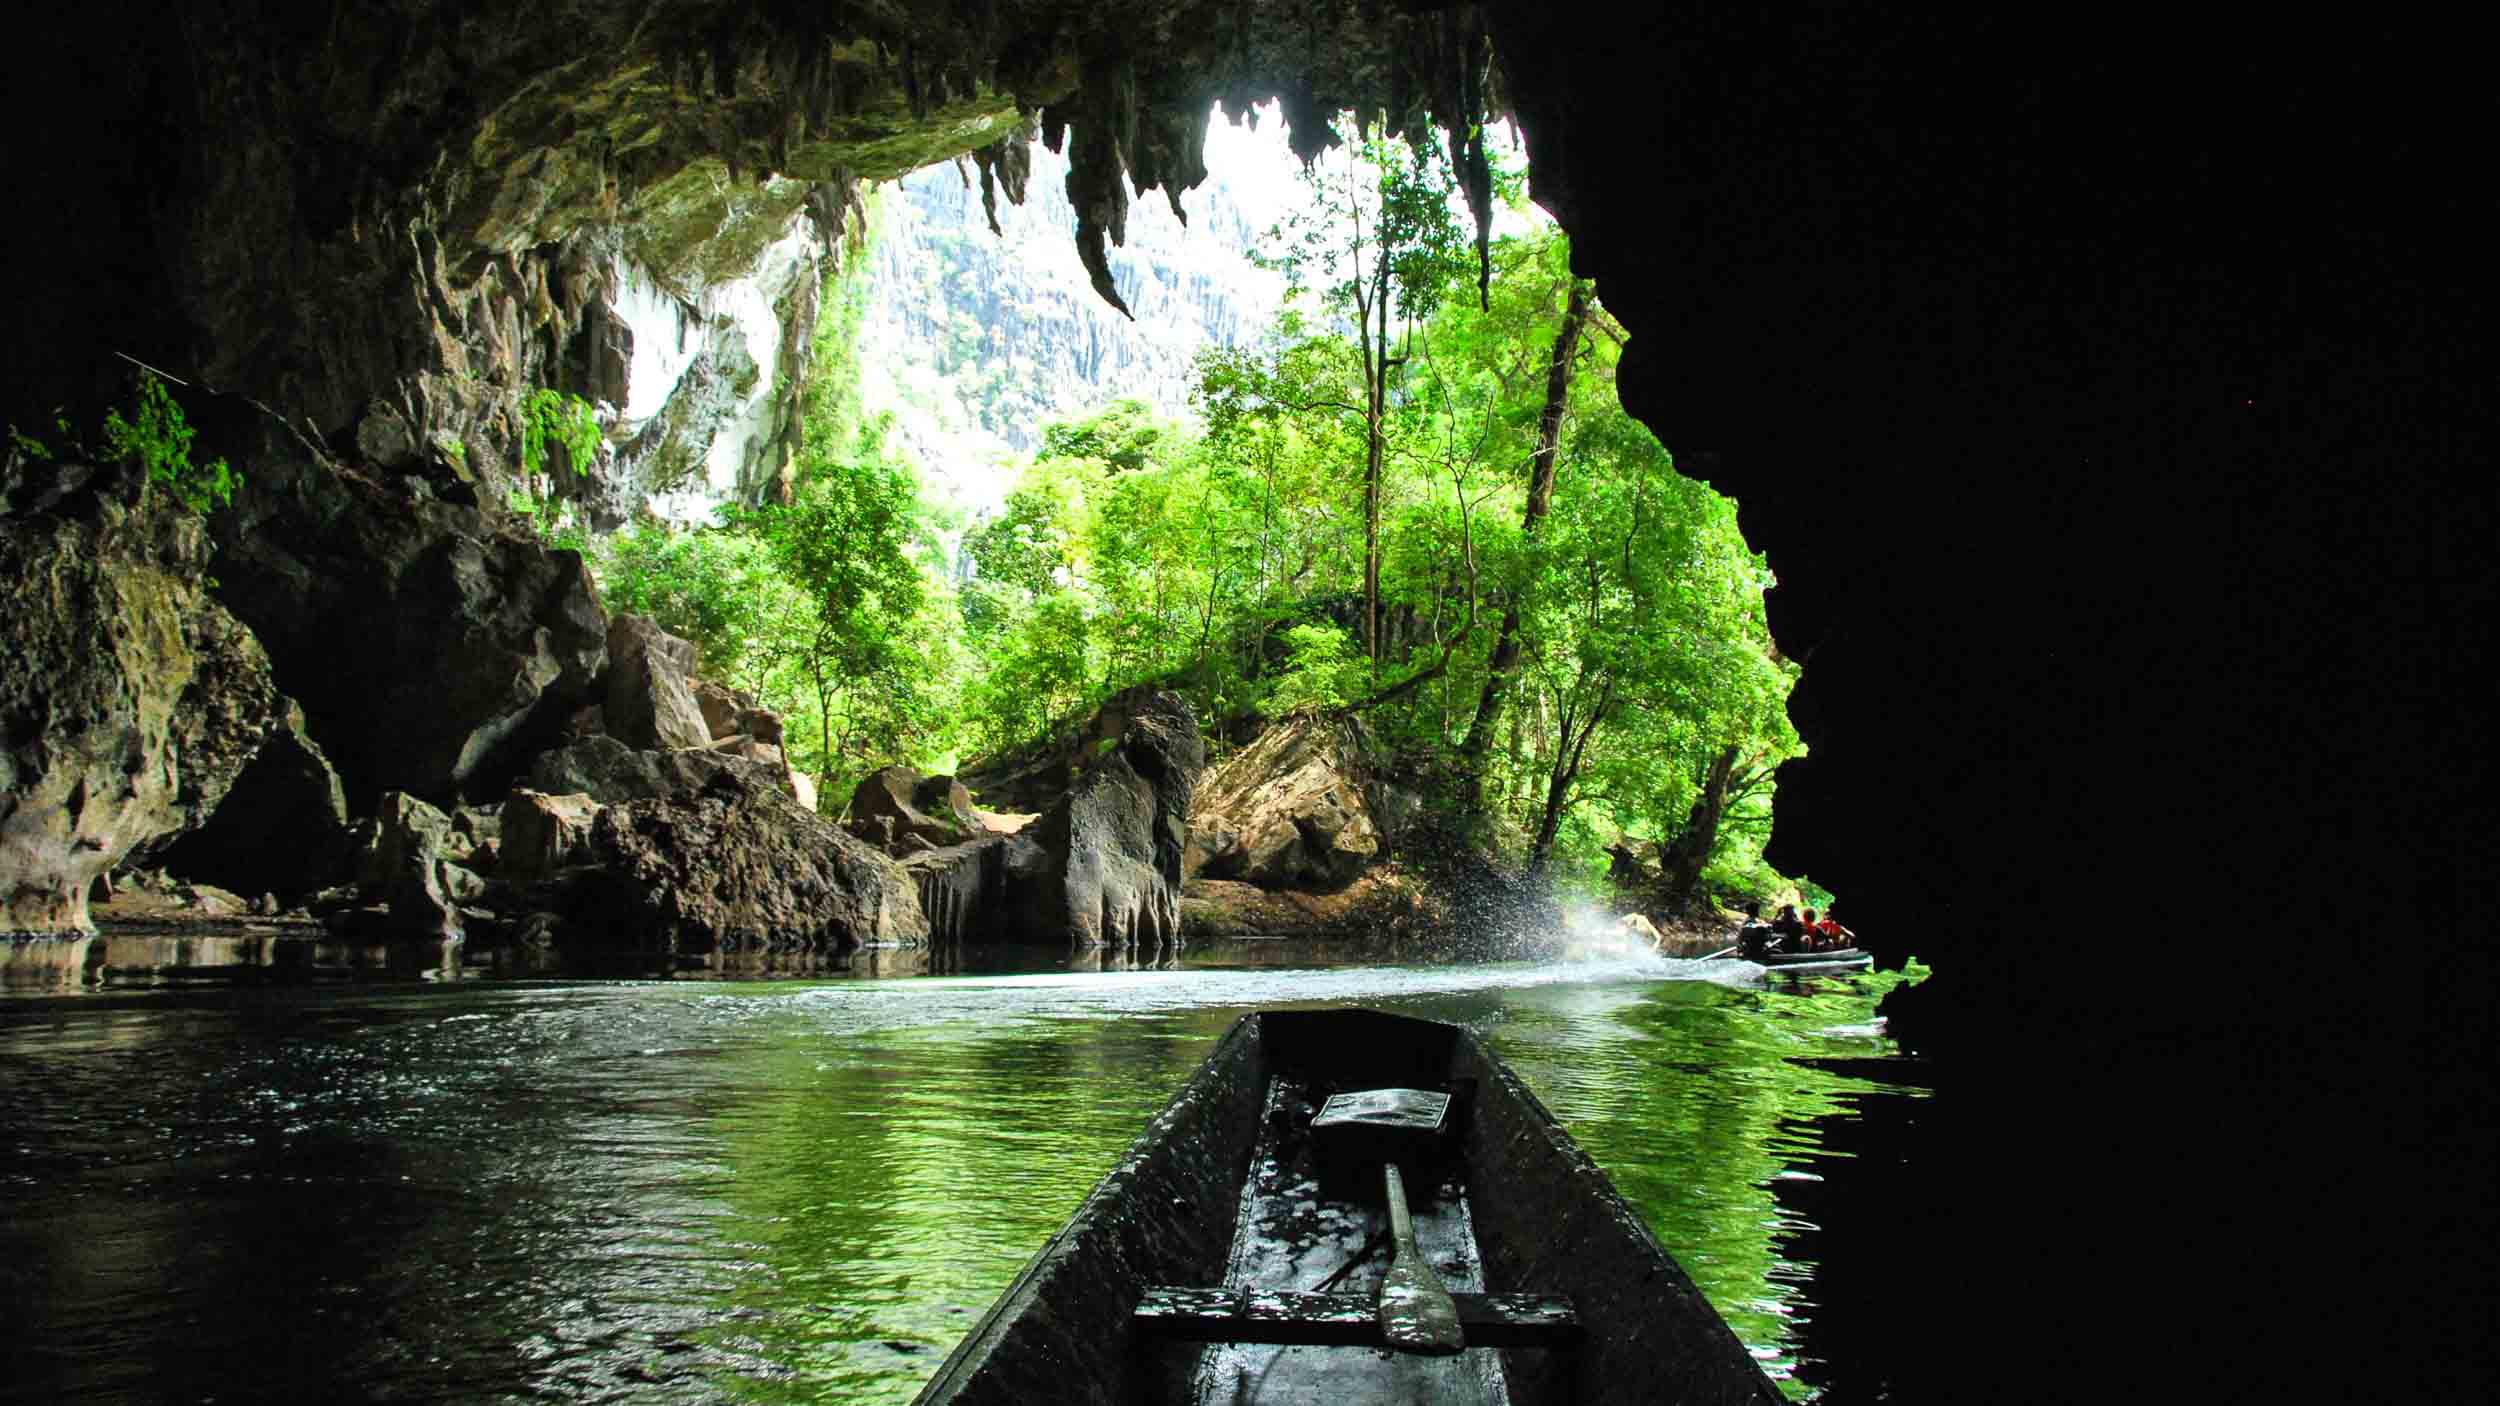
[
  {"x": 2097, "y": 386},
  {"x": 2085, "y": 398},
  {"x": 363, "y": 237}
]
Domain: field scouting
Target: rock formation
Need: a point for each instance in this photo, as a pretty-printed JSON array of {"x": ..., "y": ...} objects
[
  {"x": 1286, "y": 811},
  {"x": 738, "y": 866},
  {"x": 650, "y": 704},
  {"x": 412, "y": 869},
  {"x": 544, "y": 834},
  {"x": 899, "y": 801},
  {"x": 131, "y": 700},
  {"x": 433, "y": 644},
  {"x": 1046, "y": 342},
  {"x": 1100, "y": 866},
  {"x": 1103, "y": 864},
  {"x": 282, "y": 827}
]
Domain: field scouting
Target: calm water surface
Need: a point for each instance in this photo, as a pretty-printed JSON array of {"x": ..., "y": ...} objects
[{"x": 800, "y": 1191}]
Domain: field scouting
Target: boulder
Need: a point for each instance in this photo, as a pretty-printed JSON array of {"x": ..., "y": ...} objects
[
  {"x": 282, "y": 827},
  {"x": 900, "y": 803},
  {"x": 434, "y": 645},
  {"x": 130, "y": 701},
  {"x": 651, "y": 703},
  {"x": 1029, "y": 781},
  {"x": 1103, "y": 864},
  {"x": 411, "y": 869},
  {"x": 962, "y": 888},
  {"x": 722, "y": 708},
  {"x": 738, "y": 866},
  {"x": 1634, "y": 927},
  {"x": 1287, "y": 811},
  {"x": 609, "y": 772},
  {"x": 476, "y": 835},
  {"x": 543, "y": 833}
]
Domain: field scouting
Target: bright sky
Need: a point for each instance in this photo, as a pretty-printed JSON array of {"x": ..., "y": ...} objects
[{"x": 1266, "y": 177}]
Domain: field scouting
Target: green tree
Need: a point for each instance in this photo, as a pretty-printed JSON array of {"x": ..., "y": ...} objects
[
  {"x": 871, "y": 651},
  {"x": 1381, "y": 245},
  {"x": 720, "y": 588}
]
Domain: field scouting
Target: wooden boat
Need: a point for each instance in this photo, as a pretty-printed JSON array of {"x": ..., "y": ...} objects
[
  {"x": 1225, "y": 1258},
  {"x": 1836, "y": 959}
]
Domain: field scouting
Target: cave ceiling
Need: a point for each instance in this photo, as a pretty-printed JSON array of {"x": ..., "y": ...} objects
[{"x": 410, "y": 201}]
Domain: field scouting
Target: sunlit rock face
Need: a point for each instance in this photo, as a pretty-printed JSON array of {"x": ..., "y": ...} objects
[
  {"x": 1287, "y": 811},
  {"x": 703, "y": 375},
  {"x": 1098, "y": 866},
  {"x": 130, "y": 700},
  {"x": 1105, "y": 866}
]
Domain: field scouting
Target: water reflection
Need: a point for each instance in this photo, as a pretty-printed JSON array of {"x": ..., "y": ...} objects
[{"x": 767, "y": 1191}]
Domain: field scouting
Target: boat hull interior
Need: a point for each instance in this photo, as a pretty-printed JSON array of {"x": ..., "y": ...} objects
[{"x": 1223, "y": 1190}]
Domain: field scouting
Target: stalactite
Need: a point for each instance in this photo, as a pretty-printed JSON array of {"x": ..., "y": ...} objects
[{"x": 1005, "y": 164}]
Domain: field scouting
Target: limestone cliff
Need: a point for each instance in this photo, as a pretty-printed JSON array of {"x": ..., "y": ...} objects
[{"x": 986, "y": 327}]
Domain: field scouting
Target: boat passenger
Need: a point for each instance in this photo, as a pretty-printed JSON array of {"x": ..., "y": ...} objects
[
  {"x": 1753, "y": 937},
  {"x": 1813, "y": 935},
  {"x": 1789, "y": 933}
]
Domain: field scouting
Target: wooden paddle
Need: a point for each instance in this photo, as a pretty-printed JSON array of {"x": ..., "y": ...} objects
[
  {"x": 1722, "y": 952},
  {"x": 1416, "y": 1311}
]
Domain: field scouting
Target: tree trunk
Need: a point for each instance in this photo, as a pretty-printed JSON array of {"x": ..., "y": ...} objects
[
  {"x": 1540, "y": 498},
  {"x": 1569, "y": 754},
  {"x": 1375, "y": 435},
  {"x": 1681, "y": 860}
]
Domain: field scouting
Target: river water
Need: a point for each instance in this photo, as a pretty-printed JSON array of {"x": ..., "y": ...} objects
[{"x": 783, "y": 1191}]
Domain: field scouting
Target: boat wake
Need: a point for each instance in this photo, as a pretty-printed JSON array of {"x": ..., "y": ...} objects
[{"x": 1058, "y": 995}]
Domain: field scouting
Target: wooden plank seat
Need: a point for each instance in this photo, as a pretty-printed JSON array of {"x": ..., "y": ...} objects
[{"x": 1184, "y": 1314}]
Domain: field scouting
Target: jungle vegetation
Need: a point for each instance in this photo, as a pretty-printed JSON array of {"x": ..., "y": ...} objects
[{"x": 1417, "y": 507}]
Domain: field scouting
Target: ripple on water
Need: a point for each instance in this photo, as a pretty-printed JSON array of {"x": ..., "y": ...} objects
[{"x": 770, "y": 1192}]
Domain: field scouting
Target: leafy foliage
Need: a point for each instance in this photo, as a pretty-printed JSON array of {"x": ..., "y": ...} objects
[
  {"x": 1231, "y": 565},
  {"x": 832, "y": 607},
  {"x": 1357, "y": 529},
  {"x": 1322, "y": 672},
  {"x": 557, "y": 418},
  {"x": 157, "y": 436}
]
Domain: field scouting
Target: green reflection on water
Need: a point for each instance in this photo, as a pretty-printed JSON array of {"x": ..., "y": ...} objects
[{"x": 887, "y": 1184}]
